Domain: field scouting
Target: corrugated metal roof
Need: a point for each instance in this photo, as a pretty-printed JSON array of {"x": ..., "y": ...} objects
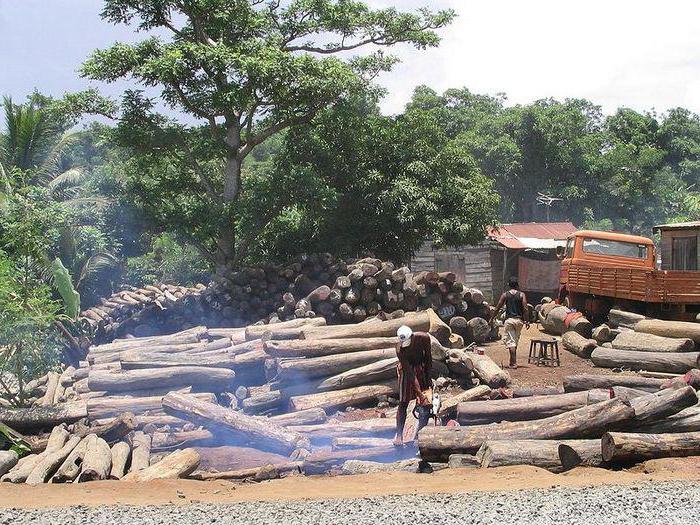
[
  {"x": 678, "y": 226},
  {"x": 533, "y": 235}
]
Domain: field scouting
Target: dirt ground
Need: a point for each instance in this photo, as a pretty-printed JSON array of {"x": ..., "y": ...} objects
[{"x": 182, "y": 492}]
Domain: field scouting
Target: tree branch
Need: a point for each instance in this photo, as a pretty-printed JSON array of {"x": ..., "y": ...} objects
[
  {"x": 204, "y": 179},
  {"x": 276, "y": 128}
]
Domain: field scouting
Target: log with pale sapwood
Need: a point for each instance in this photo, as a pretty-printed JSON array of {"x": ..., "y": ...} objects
[
  {"x": 48, "y": 465},
  {"x": 178, "y": 464},
  {"x": 70, "y": 468},
  {"x": 292, "y": 370},
  {"x": 642, "y": 342},
  {"x": 257, "y": 331},
  {"x": 488, "y": 371},
  {"x": 621, "y": 448},
  {"x": 25, "y": 466},
  {"x": 437, "y": 443},
  {"x": 312, "y": 416},
  {"x": 448, "y": 407},
  {"x": 368, "y": 374},
  {"x": 580, "y": 453},
  {"x": 679, "y": 363},
  {"x": 526, "y": 408},
  {"x": 577, "y": 344},
  {"x": 121, "y": 453},
  {"x": 677, "y": 329},
  {"x": 140, "y": 451},
  {"x": 114, "y": 406},
  {"x": 97, "y": 461}
]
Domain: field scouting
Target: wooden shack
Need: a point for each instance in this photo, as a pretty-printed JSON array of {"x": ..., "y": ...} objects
[{"x": 678, "y": 247}]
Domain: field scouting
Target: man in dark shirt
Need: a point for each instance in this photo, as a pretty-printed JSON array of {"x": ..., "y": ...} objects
[
  {"x": 515, "y": 303},
  {"x": 413, "y": 370}
]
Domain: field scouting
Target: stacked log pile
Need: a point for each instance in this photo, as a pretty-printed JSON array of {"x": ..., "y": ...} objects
[{"x": 270, "y": 387}]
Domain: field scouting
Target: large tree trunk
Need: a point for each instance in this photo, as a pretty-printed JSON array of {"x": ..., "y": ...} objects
[
  {"x": 324, "y": 347},
  {"x": 537, "y": 453},
  {"x": 678, "y": 363},
  {"x": 580, "y": 453},
  {"x": 641, "y": 342},
  {"x": 488, "y": 371},
  {"x": 618, "y": 447},
  {"x": 32, "y": 420},
  {"x": 216, "y": 379},
  {"x": 577, "y": 344},
  {"x": 659, "y": 405},
  {"x": 178, "y": 464},
  {"x": 591, "y": 381},
  {"x": 678, "y": 329},
  {"x": 437, "y": 443},
  {"x": 687, "y": 420},
  {"x": 292, "y": 370},
  {"x": 526, "y": 408},
  {"x": 617, "y": 318},
  {"x": 355, "y": 396},
  {"x": 371, "y": 373},
  {"x": 555, "y": 322},
  {"x": 259, "y": 432},
  {"x": 448, "y": 407}
]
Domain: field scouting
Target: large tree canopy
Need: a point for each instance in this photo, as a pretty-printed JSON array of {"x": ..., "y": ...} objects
[{"x": 247, "y": 69}]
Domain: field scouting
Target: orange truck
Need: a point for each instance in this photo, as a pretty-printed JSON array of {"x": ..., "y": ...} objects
[{"x": 602, "y": 270}]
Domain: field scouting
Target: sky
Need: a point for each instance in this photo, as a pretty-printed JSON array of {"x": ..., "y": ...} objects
[{"x": 640, "y": 54}]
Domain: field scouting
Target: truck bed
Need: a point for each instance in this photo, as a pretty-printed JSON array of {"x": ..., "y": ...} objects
[{"x": 636, "y": 284}]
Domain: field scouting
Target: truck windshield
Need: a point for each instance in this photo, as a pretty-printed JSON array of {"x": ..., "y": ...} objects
[{"x": 615, "y": 248}]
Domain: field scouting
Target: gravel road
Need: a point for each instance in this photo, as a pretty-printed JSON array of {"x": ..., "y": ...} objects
[{"x": 650, "y": 503}]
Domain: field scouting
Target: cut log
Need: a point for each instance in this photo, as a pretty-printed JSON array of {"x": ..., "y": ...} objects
[
  {"x": 626, "y": 392},
  {"x": 51, "y": 461},
  {"x": 525, "y": 408},
  {"x": 678, "y": 363},
  {"x": 311, "y": 416},
  {"x": 162, "y": 441},
  {"x": 32, "y": 420},
  {"x": 488, "y": 371},
  {"x": 324, "y": 347},
  {"x": 617, "y": 318},
  {"x": 25, "y": 466},
  {"x": 418, "y": 322},
  {"x": 294, "y": 369},
  {"x": 463, "y": 461},
  {"x": 104, "y": 407},
  {"x": 591, "y": 381},
  {"x": 618, "y": 447},
  {"x": 345, "y": 443},
  {"x": 437, "y": 443},
  {"x": 378, "y": 427},
  {"x": 678, "y": 329},
  {"x": 249, "y": 473},
  {"x": 216, "y": 379},
  {"x": 641, "y": 342},
  {"x": 263, "y": 402},
  {"x": 178, "y": 464},
  {"x": 478, "y": 330},
  {"x": 687, "y": 420},
  {"x": 322, "y": 462},
  {"x": 448, "y": 407},
  {"x": 70, "y": 468},
  {"x": 372, "y": 373},
  {"x": 555, "y": 322},
  {"x": 257, "y": 331},
  {"x": 335, "y": 399},
  {"x": 537, "y": 453},
  {"x": 121, "y": 452},
  {"x": 8, "y": 459},
  {"x": 659, "y": 405},
  {"x": 47, "y": 399},
  {"x": 577, "y": 344},
  {"x": 580, "y": 453},
  {"x": 97, "y": 461},
  {"x": 602, "y": 334},
  {"x": 263, "y": 434},
  {"x": 140, "y": 451},
  {"x": 121, "y": 426},
  {"x": 135, "y": 360},
  {"x": 537, "y": 391}
]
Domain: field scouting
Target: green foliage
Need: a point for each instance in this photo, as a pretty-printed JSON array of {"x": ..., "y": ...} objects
[{"x": 64, "y": 285}]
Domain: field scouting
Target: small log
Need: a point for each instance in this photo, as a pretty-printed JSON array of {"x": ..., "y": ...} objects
[
  {"x": 109, "y": 406},
  {"x": 488, "y": 371},
  {"x": 70, "y": 468},
  {"x": 602, "y": 334},
  {"x": 463, "y": 461},
  {"x": 25, "y": 466},
  {"x": 350, "y": 443},
  {"x": 161, "y": 441},
  {"x": 335, "y": 399},
  {"x": 580, "y": 453},
  {"x": 677, "y": 329},
  {"x": 178, "y": 464},
  {"x": 679, "y": 363},
  {"x": 537, "y": 453},
  {"x": 262, "y": 402},
  {"x": 219, "y": 419},
  {"x": 577, "y": 344},
  {"x": 437, "y": 443},
  {"x": 311, "y": 416},
  {"x": 526, "y": 408},
  {"x": 51, "y": 461},
  {"x": 97, "y": 461},
  {"x": 618, "y": 447},
  {"x": 8, "y": 459},
  {"x": 368, "y": 374},
  {"x": 376, "y": 427},
  {"x": 325, "y": 347},
  {"x": 216, "y": 379},
  {"x": 322, "y": 462},
  {"x": 257, "y": 331},
  {"x": 641, "y": 342},
  {"x": 295, "y": 369},
  {"x": 591, "y": 381},
  {"x": 47, "y": 399},
  {"x": 418, "y": 322},
  {"x": 140, "y": 451},
  {"x": 32, "y": 420},
  {"x": 249, "y": 473},
  {"x": 448, "y": 407},
  {"x": 617, "y": 318},
  {"x": 121, "y": 452},
  {"x": 659, "y": 405},
  {"x": 478, "y": 330}
]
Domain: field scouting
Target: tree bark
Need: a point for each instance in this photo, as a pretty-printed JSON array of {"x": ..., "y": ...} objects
[
  {"x": 580, "y": 453},
  {"x": 219, "y": 419},
  {"x": 97, "y": 460},
  {"x": 335, "y": 399},
  {"x": 368, "y": 374},
  {"x": 437, "y": 443},
  {"x": 325, "y": 347},
  {"x": 70, "y": 468},
  {"x": 216, "y": 379},
  {"x": 51, "y": 461},
  {"x": 591, "y": 381},
  {"x": 678, "y": 363},
  {"x": 121, "y": 452},
  {"x": 678, "y": 329},
  {"x": 526, "y": 408},
  {"x": 32, "y": 420},
  {"x": 577, "y": 344},
  {"x": 488, "y": 371},
  {"x": 618, "y": 447},
  {"x": 448, "y": 407},
  {"x": 178, "y": 464},
  {"x": 642, "y": 342}
]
